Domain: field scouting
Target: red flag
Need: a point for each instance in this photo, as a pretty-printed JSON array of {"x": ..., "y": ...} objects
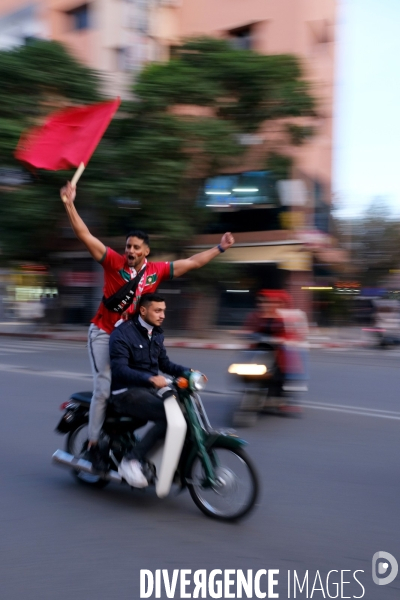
[{"x": 68, "y": 138}]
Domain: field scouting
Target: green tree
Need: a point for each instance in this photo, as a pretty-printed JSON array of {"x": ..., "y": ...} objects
[
  {"x": 36, "y": 79},
  {"x": 150, "y": 154},
  {"x": 372, "y": 241},
  {"x": 161, "y": 155}
]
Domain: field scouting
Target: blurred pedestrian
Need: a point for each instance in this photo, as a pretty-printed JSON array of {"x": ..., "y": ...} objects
[{"x": 130, "y": 270}]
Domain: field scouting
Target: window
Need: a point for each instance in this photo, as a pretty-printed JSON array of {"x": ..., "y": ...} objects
[
  {"x": 241, "y": 38},
  {"x": 30, "y": 39},
  {"x": 321, "y": 209},
  {"x": 123, "y": 59},
  {"x": 241, "y": 190},
  {"x": 80, "y": 17},
  {"x": 321, "y": 35}
]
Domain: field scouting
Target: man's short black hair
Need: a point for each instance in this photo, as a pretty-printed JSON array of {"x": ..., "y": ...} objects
[
  {"x": 139, "y": 234},
  {"x": 147, "y": 299}
]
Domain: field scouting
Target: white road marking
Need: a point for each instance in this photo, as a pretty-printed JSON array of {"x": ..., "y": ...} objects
[
  {"x": 59, "y": 374},
  {"x": 341, "y": 408},
  {"x": 16, "y": 351},
  {"x": 353, "y": 410},
  {"x": 35, "y": 348}
]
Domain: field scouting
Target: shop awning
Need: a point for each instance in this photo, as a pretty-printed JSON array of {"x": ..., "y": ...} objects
[{"x": 291, "y": 257}]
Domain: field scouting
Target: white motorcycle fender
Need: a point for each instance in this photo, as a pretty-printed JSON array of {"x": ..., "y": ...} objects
[{"x": 166, "y": 457}]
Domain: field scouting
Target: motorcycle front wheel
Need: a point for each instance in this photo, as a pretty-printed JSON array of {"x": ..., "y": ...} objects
[
  {"x": 76, "y": 445},
  {"x": 236, "y": 488}
]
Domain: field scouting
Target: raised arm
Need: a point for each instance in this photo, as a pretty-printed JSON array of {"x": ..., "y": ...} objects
[
  {"x": 202, "y": 258},
  {"x": 96, "y": 247}
]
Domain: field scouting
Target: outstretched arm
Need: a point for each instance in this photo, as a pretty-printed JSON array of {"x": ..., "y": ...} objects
[
  {"x": 202, "y": 258},
  {"x": 95, "y": 246}
]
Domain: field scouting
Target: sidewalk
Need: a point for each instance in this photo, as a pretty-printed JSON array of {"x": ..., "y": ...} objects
[{"x": 327, "y": 337}]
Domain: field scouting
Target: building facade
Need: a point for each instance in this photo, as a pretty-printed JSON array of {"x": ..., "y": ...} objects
[{"x": 111, "y": 36}]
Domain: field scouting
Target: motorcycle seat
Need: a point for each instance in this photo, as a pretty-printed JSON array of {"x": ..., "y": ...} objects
[
  {"x": 82, "y": 397},
  {"x": 85, "y": 399},
  {"x": 116, "y": 418}
]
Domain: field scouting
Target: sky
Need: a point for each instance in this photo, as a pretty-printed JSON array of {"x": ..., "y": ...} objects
[{"x": 367, "y": 106}]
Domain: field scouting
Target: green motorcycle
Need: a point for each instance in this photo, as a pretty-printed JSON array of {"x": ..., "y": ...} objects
[{"x": 210, "y": 463}]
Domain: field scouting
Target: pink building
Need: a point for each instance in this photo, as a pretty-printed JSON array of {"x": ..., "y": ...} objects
[
  {"x": 305, "y": 28},
  {"x": 111, "y": 36}
]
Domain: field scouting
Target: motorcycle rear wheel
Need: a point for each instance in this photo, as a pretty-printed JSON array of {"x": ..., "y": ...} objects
[
  {"x": 236, "y": 475},
  {"x": 77, "y": 445}
]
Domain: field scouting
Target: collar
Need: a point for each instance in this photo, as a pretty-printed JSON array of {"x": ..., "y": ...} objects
[
  {"x": 137, "y": 321},
  {"x": 133, "y": 271},
  {"x": 145, "y": 325}
]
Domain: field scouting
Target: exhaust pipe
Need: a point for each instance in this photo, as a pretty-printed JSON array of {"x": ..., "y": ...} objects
[{"x": 80, "y": 464}]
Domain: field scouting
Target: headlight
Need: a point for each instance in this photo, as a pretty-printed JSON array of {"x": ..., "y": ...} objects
[
  {"x": 249, "y": 369},
  {"x": 197, "y": 380}
]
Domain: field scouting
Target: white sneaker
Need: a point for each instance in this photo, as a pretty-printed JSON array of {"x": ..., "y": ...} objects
[{"x": 131, "y": 471}]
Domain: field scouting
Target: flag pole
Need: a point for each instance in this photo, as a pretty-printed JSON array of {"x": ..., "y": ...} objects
[{"x": 77, "y": 175}]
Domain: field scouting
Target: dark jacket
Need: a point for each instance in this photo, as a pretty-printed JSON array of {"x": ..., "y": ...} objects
[{"x": 134, "y": 358}]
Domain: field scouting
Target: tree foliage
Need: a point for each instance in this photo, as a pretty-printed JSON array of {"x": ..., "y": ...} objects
[
  {"x": 372, "y": 241},
  {"x": 150, "y": 154},
  {"x": 242, "y": 86},
  {"x": 35, "y": 80}
]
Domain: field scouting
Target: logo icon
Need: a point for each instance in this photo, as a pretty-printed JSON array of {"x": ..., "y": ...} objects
[
  {"x": 151, "y": 279},
  {"x": 381, "y": 561}
]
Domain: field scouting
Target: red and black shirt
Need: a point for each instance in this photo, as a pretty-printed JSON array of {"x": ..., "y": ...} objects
[{"x": 116, "y": 274}]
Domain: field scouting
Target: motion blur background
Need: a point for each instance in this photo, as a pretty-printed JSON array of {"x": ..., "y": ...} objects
[
  {"x": 277, "y": 120},
  {"x": 268, "y": 118}
]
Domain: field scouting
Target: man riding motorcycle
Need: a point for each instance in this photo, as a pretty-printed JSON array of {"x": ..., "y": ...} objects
[
  {"x": 266, "y": 321},
  {"x": 210, "y": 463},
  {"x": 277, "y": 334},
  {"x": 137, "y": 355}
]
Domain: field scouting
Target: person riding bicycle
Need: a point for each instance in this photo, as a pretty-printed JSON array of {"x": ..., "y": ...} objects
[{"x": 137, "y": 355}]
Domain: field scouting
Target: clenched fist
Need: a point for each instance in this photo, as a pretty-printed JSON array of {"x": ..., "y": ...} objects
[
  {"x": 227, "y": 240},
  {"x": 158, "y": 381},
  {"x": 68, "y": 193}
]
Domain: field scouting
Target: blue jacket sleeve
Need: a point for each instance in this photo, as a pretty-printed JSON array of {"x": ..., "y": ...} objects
[{"x": 122, "y": 374}]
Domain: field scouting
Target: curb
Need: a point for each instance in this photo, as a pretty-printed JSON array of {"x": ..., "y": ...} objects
[
  {"x": 339, "y": 345},
  {"x": 46, "y": 336},
  {"x": 192, "y": 344},
  {"x": 198, "y": 344},
  {"x": 205, "y": 345}
]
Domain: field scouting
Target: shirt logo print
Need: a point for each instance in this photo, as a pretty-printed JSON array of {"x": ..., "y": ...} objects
[{"x": 150, "y": 279}]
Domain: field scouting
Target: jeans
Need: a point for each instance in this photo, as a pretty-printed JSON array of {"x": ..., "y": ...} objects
[
  {"x": 146, "y": 404},
  {"x": 99, "y": 355}
]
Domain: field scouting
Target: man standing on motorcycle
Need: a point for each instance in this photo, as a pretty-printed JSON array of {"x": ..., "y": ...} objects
[
  {"x": 118, "y": 270},
  {"x": 137, "y": 355}
]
